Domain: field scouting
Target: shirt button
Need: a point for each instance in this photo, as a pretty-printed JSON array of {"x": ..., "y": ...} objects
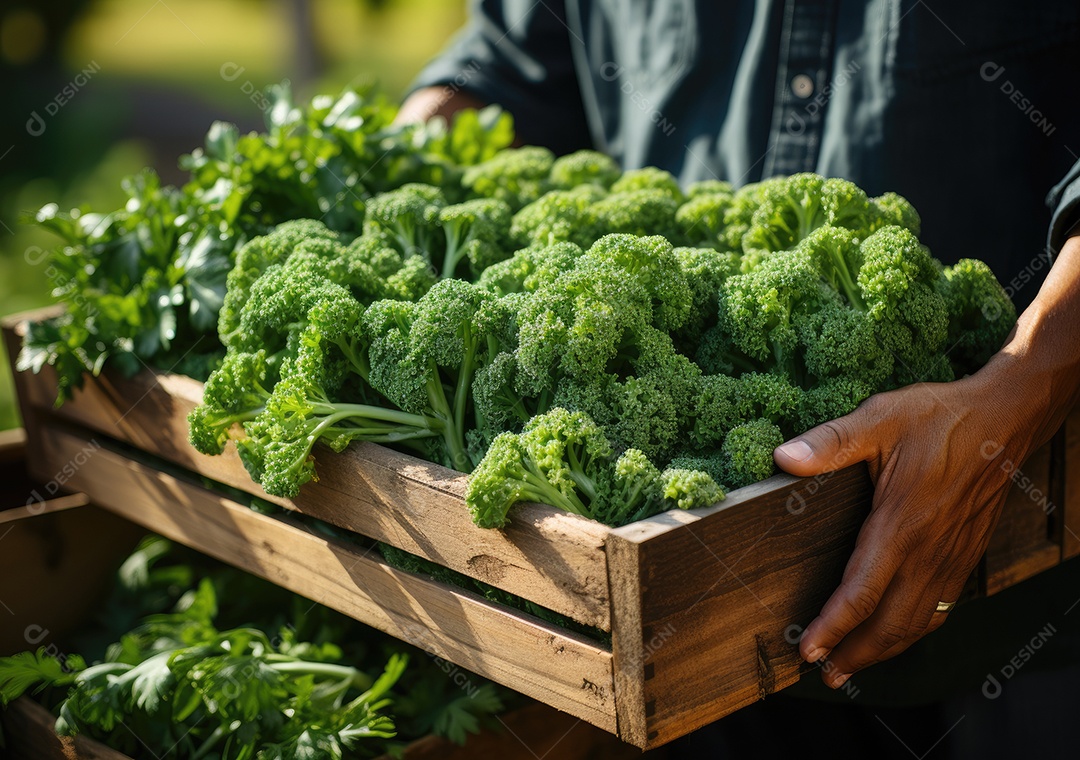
[{"x": 802, "y": 86}]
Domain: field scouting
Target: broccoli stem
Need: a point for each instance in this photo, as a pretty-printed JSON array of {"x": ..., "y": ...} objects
[
  {"x": 452, "y": 434},
  {"x": 338, "y": 412},
  {"x": 540, "y": 490},
  {"x": 453, "y": 251},
  {"x": 577, "y": 472}
]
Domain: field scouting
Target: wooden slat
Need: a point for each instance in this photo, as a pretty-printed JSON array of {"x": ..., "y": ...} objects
[
  {"x": 1070, "y": 486},
  {"x": 30, "y": 736},
  {"x": 548, "y": 556},
  {"x": 52, "y": 578},
  {"x": 48, "y": 507},
  {"x": 12, "y": 445},
  {"x": 534, "y": 731},
  {"x": 558, "y": 668},
  {"x": 719, "y": 588},
  {"x": 1022, "y": 545}
]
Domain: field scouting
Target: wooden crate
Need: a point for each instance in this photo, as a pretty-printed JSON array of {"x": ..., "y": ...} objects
[
  {"x": 55, "y": 578},
  {"x": 526, "y": 734},
  {"x": 703, "y": 606}
]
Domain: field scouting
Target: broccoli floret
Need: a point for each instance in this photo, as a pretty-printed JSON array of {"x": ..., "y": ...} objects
[
  {"x": 647, "y": 211},
  {"x": 740, "y": 213},
  {"x": 283, "y": 420},
  {"x": 555, "y": 461},
  {"x": 891, "y": 208},
  {"x": 585, "y": 167},
  {"x": 748, "y": 452},
  {"x": 561, "y": 215},
  {"x": 981, "y": 315},
  {"x": 649, "y": 178},
  {"x": 254, "y": 258},
  {"x": 831, "y": 398},
  {"x": 409, "y": 216},
  {"x": 794, "y": 207},
  {"x": 709, "y": 187},
  {"x": 563, "y": 459},
  {"x": 701, "y": 219},
  {"x": 897, "y": 282},
  {"x": 234, "y": 393},
  {"x": 652, "y": 262},
  {"x": 424, "y": 355},
  {"x": 761, "y": 310},
  {"x": 530, "y": 269},
  {"x": 476, "y": 231},
  {"x": 710, "y": 461},
  {"x": 517, "y": 176},
  {"x": 706, "y": 272},
  {"x": 690, "y": 489}
]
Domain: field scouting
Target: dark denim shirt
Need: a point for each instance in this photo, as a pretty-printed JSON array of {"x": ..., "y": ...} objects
[{"x": 967, "y": 108}]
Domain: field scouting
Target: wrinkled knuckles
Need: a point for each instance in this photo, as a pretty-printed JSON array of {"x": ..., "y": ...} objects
[{"x": 887, "y": 635}]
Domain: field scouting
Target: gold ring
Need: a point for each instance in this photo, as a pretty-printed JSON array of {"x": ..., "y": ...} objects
[{"x": 945, "y": 606}]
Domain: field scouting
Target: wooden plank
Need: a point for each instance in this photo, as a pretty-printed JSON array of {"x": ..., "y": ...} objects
[
  {"x": 548, "y": 556},
  {"x": 556, "y": 667},
  {"x": 35, "y": 508},
  {"x": 627, "y": 638},
  {"x": 1022, "y": 544},
  {"x": 29, "y": 732},
  {"x": 52, "y": 579},
  {"x": 12, "y": 445},
  {"x": 534, "y": 731},
  {"x": 721, "y": 590},
  {"x": 1070, "y": 485}
]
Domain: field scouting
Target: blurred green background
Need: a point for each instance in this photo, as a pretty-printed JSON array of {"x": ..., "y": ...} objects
[{"x": 122, "y": 84}]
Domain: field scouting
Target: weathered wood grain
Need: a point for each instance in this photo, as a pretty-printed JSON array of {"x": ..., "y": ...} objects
[
  {"x": 723, "y": 592},
  {"x": 556, "y": 667},
  {"x": 30, "y": 735},
  {"x": 1022, "y": 545},
  {"x": 548, "y": 556}
]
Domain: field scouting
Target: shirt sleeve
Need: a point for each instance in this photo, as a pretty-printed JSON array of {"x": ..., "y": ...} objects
[
  {"x": 1064, "y": 199},
  {"x": 516, "y": 53}
]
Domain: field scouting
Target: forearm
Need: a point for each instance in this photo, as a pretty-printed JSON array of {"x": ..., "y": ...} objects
[
  {"x": 1039, "y": 365},
  {"x": 429, "y": 102}
]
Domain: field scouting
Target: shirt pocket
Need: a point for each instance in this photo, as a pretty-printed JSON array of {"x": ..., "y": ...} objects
[{"x": 946, "y": 40}]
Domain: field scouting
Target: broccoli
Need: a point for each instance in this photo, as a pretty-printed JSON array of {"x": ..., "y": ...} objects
[
  {"x": 517, "y": 176},
  {"x": 408, "y": 215},
  {"x": 709, "y": 187},
  {"x": 424, "y": 355},
  {"x": 585, "y": 167},
  {"x": 254, "y": 258},
  {"x": 981, "y": 315},
  {"x": 701, "y": 219},
  {"x": 530, "y": 269},
  {"x": 649, "y": 178},
  {"x": 563, "y": 459},
  {"x": 645, "y": 211},
  {"x": 283, "y": 420},
  {"x": 791, "y": 208},
  {"x": 558, "y": 216},
  {"x": 891, "y": 208},
  {"x": 475, "y": 231},
  {"x": 706, "y": 272},
  {"x": 748, "y": 452}
]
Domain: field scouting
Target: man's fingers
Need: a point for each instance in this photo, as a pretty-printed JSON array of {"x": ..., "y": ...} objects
[
  {"x": 868, "y": 575},
  {"x": 901, "y": 619},
  {"x": 830, "y": 446}
]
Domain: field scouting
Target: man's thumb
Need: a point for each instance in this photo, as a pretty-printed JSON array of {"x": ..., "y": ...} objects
[{"x": 828, "y": 447}]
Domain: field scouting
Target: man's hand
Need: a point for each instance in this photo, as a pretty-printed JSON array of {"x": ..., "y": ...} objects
[{"x": 941, "y": 456}]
